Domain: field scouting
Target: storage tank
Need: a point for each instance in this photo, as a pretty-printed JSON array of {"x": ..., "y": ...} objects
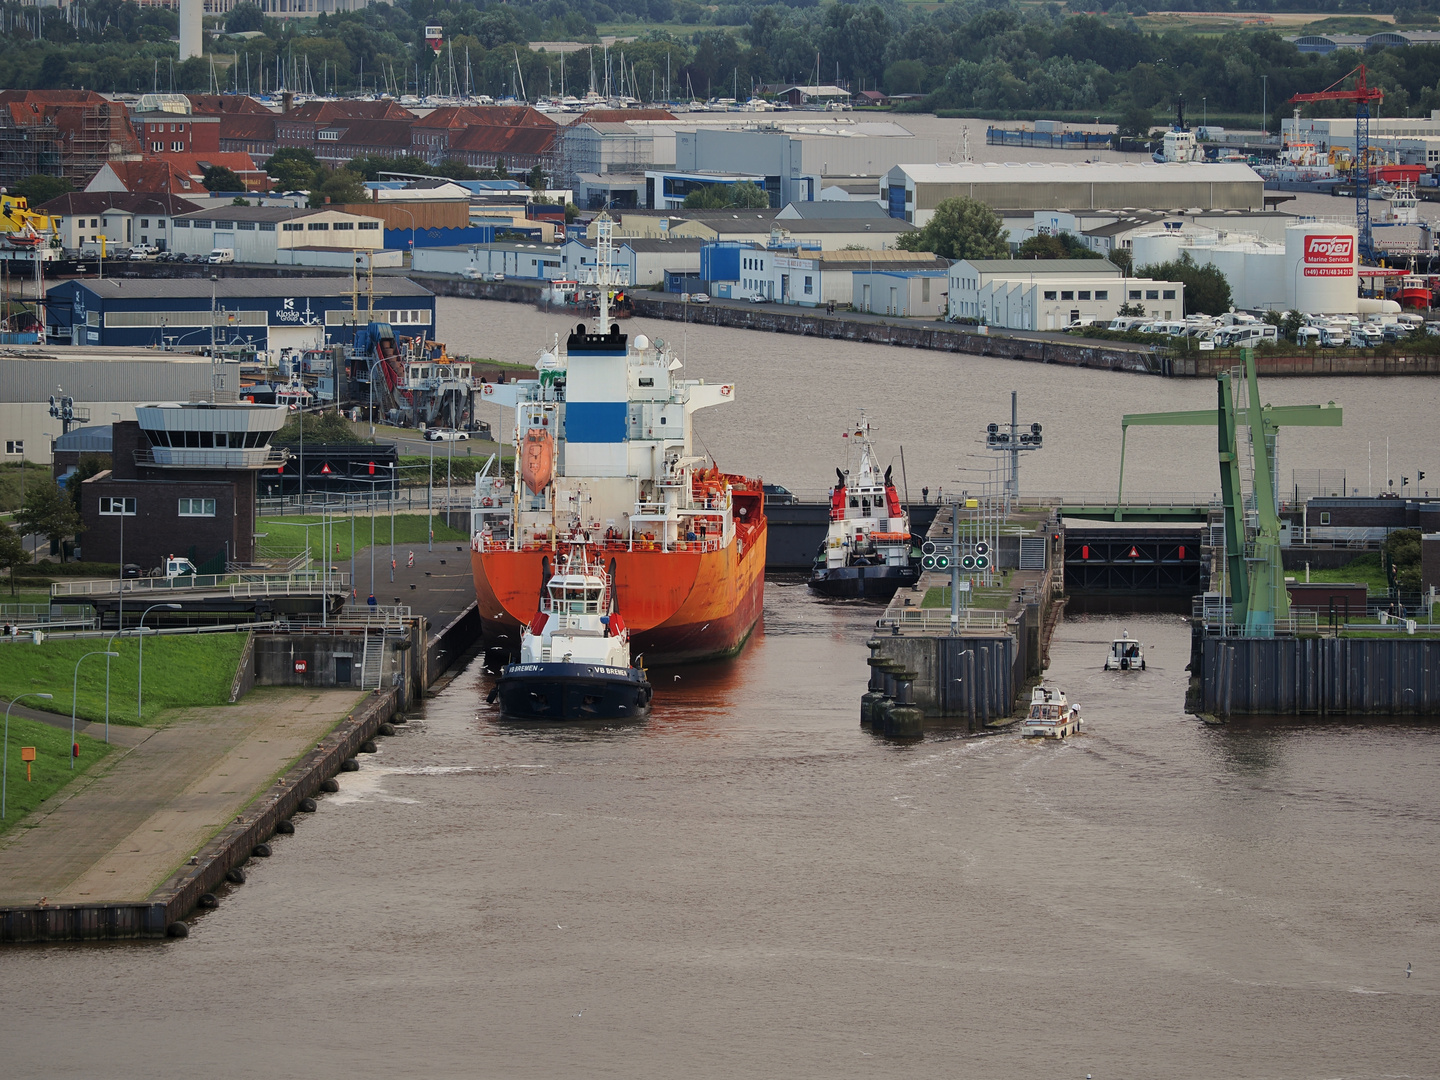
[
  {"x": 1320, "y": 262},
  {"x": 1148, "y": 248}
]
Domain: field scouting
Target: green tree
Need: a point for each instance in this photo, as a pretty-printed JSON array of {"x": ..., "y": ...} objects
[
  {"x": 49, "y": 512},
  {"x": 1062, "y": 246},
  {"x": 1122, "y": 258},
  {"x": 321, "y": 429},
  {"x": 961, "y": 228},
  {"x": 339, "y": 188},
  {"x": 723, "y": 196},
  {"x": 1401, "y": 557},
  {"x": 1206, "y": 290},
  {"x": 1135, "y": 122},
  {"x": 293, "y": 168},
  {"x": 244, "y": 17},
  {"x": 219, "y": 178},
  {"x": 12, "y": 552},
  {"x": 536, "y": 179},
  {"x": 88, "y": 466},
  {"x": 38, "y": 188}
]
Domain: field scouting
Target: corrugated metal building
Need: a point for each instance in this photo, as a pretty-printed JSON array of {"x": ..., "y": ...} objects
[
  {"x": 912, "y": 192},
  {"x": 104, "y": 383}
]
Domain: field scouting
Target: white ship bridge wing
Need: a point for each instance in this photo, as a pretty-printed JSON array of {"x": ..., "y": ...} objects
[
  {"x": 507, "y": 394},
  {"x": 702, "y": 396}
]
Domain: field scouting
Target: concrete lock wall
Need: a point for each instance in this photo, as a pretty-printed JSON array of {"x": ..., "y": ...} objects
[
  {"x": 1320, "y": 676},
  {"x": 971, "y": 678}
]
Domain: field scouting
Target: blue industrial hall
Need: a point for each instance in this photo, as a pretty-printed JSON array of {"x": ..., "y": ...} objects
[{"x": 296, "y": 312}]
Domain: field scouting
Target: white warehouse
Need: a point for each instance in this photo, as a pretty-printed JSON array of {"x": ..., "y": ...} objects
[
  {"x": 1050, "y": 294},
  {"x": 273, "y": 234}
]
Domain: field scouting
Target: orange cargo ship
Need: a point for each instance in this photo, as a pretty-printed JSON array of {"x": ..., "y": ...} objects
[{"x": 603, "y": 442}]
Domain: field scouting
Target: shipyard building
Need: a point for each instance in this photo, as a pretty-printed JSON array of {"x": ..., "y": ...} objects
[
  {"x": 912, "y": 192},
  {"x": 265, "y": 314}
]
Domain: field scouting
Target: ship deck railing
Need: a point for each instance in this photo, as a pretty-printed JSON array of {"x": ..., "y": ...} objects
[{"x": 710, "y": 543}]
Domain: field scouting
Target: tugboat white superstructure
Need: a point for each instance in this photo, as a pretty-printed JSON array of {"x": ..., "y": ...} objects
[
  {"x": 575, "y": 654},
  {"x": 1125, "y": 654},
  {"x": 1051, "y": 715},
  {"x": 867, "y": 551}
]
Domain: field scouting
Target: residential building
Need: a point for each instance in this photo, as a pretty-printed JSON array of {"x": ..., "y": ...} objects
[
  {"x": 1050, "y": 294},
  {"x": 90, "y": 221},
  {"x": 176, "y": 174},
  {"x": 912, "y": 192},
  {"x": 264, "y": 313},
  {"x": 266, "y": 234},
  {"x": 804, "y": 95},
  {"x": 65, "y": 133},
  {"x": 305, "y": 9},
  {"x": 167, "y": 124}
]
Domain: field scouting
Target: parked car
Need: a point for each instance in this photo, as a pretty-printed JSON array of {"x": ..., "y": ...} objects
[
  {"x": 222, "y": 255},
  {"x": 776, "y": 495},
  {"x": 436, "y": 434},
  {"x": 133, "y": 570},
  {"x": 699, "y": 298},
  {"x": 494, "y": 277},
  {"x": 759, "y": 298},
  {"x": 141, "y": 252},
  {"x": 472, "y": 273}
]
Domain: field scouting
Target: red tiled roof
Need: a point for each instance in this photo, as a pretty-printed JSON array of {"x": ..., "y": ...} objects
[
  {"x": 140, "y": 202},
  {"x": 328, "y": 112},
  {"x": 154, "y": 175},
  {"x": 388, "y": 133},
  {"x": 460, "y": 116},
  {"x": 621, "y": 116},
  {"x": 227, "y": 105},
  {"x": 246, "y": 126},
  {"x": 488, "y": 139}
]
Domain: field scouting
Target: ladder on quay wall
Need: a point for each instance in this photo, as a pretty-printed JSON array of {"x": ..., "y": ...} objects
[{"x": 372, "y": 662}]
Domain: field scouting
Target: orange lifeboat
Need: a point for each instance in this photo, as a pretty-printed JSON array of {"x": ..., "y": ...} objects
[{"x": 537, "y": 460}]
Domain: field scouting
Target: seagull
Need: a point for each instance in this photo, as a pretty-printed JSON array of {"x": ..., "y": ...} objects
[
  {"x": 559, "y": 927},
  {"x": 579, "y": 1014},
  {"x": 677, "y": 678},
  {"x": 1407, "y": 971}
]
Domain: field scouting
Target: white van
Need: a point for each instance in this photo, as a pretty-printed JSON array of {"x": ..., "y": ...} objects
[{"x": 222, "y": 255}]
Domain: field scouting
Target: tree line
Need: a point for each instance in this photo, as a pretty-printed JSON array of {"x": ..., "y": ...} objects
[{"x": 993, "y": 56}]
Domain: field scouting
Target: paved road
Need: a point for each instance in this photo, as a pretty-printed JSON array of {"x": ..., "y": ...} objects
[
  {"x": 120, "y": 831},
  {"x": 438, "y": 586}
]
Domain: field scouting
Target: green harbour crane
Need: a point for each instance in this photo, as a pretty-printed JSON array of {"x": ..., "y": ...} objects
[{"x": 1258, "y": 598}]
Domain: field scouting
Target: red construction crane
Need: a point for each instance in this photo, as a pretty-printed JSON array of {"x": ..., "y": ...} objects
[{"x": 1362, "y": 95}]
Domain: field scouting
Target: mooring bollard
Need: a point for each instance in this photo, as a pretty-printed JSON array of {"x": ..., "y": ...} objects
[
  {"x": 880, "y": 711},
  {"x": 906, "y": 719},
  {"x": 872, "y": 695}
]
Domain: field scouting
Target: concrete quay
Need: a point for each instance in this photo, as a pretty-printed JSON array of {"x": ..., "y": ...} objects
[
  {"x": 130, "y": 852},
  {"x": 1041, "y": 347},
  {"x": 973, "y": 673}
]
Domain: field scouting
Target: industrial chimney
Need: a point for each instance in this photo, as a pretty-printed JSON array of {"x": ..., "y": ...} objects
[{"x": 192, "y": 21}]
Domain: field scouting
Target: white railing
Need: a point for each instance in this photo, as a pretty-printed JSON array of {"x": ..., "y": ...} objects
[
  {"x": 928, "y": 620},
  {"x": 225, "y": 584}
]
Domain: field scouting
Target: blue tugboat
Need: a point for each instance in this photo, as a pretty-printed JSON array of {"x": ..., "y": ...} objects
[{"x": 575, "y": 654}]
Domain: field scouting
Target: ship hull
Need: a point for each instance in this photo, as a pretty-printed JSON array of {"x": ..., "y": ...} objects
[
  {"x": 572, "y": 692},
  {"x": 681, "y": 606},
  {"x": 863, "y": 582}
]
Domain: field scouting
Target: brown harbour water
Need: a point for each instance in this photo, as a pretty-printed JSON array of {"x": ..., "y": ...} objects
[{"x": 748, "y": 885}]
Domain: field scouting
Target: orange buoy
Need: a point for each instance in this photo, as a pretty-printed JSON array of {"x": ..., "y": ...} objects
[{"x": 537, "y": 464}]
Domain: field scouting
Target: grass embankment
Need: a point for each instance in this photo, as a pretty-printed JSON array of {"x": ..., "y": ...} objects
[
  {"x": 1366, "y": 570},
  {"x": 180, "y": 670},
  {"x": 51, "y": 769},
  {"x": 993, "y": 599},
  {"x": 285, "y": 538}
]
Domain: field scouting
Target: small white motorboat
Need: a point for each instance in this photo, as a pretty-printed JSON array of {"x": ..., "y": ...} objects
[
  {"x": 1051, "y": 715},
  {"x": 1125, "y": 654}
]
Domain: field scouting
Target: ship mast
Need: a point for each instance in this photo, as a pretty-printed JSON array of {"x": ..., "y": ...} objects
[{"x": 605, "y": 276}]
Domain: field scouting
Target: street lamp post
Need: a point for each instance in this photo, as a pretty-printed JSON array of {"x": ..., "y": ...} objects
[
  {"x": 5, "y": 767},
  {"x": 74, "y": 696},
  {"x": 140, "y": 680},
  {"x": 109, "y": 654}
]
